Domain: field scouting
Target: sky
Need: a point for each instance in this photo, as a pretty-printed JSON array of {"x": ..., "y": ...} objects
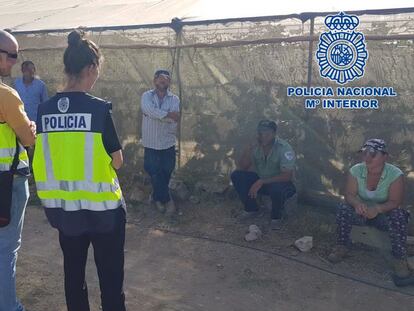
[
  {"x": 218, "y": 8},
  {"x": 65, "y": 14}
]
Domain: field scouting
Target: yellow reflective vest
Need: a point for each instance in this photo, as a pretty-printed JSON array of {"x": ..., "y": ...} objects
[
  {"x": 72, "y": 169},
  {"x": 8, "y": 149}
]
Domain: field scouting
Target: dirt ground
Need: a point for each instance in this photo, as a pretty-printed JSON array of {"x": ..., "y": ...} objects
[{"x": 201, "y": 262}]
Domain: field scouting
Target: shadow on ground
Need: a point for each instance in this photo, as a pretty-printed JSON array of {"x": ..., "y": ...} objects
[{"x": 201, "y": 262}]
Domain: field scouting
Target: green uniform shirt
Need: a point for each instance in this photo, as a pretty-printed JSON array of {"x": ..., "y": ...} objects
[
  {"x": 380, "y": 195},
  {"x": 281, "y": 157}
]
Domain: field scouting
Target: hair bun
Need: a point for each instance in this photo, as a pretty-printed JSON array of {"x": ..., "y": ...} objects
[{"x": 75, "y": 37}]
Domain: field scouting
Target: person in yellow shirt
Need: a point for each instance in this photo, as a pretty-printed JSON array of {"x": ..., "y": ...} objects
[{"x": 13, "y": 123}]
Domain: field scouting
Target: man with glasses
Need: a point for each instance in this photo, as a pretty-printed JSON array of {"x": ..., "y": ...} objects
[
  {"x": 265, "y": 167},
  {"x": 13, "y": 123}
]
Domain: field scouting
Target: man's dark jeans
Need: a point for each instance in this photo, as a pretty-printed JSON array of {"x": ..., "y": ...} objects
[
  {"x": 279, "y": 192},
  {"x": 160, "y": 164}
]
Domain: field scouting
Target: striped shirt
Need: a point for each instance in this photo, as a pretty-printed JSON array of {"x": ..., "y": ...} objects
[{"x": 158, "y": 132}]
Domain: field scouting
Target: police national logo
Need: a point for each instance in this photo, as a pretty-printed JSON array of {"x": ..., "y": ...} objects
[
  {"x": 342, "y": 52},
  {"x": 63, "y": 104}
]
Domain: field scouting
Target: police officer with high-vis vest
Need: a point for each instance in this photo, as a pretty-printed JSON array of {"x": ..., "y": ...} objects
[
  {"x": 16, "y": 131},
  {"x": 77, "y": 152}
]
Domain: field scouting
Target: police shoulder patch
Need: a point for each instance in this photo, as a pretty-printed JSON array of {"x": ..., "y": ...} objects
[{"x": 289, "y": 155}]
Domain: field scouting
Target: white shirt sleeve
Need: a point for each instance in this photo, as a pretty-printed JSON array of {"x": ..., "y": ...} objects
[{"x": 148, "y": 108}]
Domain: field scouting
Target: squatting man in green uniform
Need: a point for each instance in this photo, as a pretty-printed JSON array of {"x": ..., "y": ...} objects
[{"x": 265, "y": 167}]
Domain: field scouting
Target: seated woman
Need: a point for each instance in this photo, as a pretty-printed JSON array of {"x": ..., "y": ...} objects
[{"x": 374, "y": 194}]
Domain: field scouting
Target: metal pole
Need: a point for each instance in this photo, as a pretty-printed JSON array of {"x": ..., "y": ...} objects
[
  {"x": 180, "y": 96},
  {"x": 310, "y": 55}
]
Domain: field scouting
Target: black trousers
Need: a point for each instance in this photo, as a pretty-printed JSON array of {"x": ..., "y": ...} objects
[
  {"x": 109, "y": 259},
  {"x": 279, "y": 192}
]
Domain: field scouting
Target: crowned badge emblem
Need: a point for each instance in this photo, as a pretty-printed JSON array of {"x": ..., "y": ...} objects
[{"x": 342, "y": 52}]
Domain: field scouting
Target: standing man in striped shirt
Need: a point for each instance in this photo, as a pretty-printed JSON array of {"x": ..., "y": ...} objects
[{"x": 160, "y": 117}]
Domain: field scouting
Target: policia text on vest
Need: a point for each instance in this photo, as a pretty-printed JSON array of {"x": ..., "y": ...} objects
[{"x": 63, "y": 122}]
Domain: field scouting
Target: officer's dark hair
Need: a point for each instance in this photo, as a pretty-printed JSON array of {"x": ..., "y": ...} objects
[
  {"x": 27, "y": 63},
  {"x": 80, "y": 53}
]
